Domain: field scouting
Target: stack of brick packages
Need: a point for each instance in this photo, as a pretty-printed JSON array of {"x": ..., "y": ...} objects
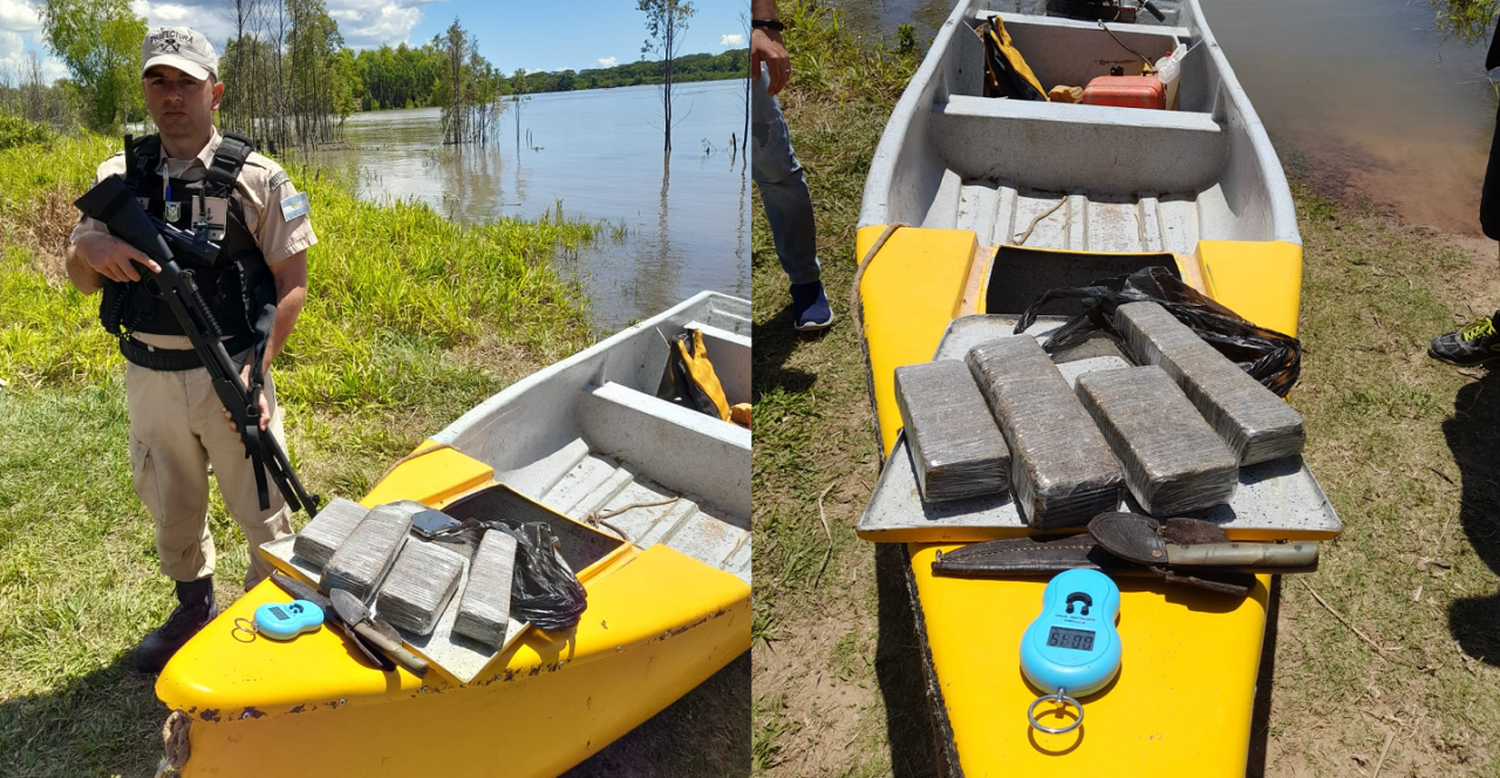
[
  {"x": 1174, "y": 431},
  {"x": 1256, "y": 424},
  {"x": 1174, "y": 462},
  {"x": 1062, "y": 470},
  {"x": 956, "y": 447}
]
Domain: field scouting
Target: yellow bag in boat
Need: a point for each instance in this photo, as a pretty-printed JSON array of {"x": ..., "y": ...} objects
[
  {"x": 693, "y": 376},
  {"x": 1006, "y": 72},
  {"x": 1065, "y": 94}
]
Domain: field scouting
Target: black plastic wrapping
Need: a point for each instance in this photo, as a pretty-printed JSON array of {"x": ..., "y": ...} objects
[
  {"x": 545, "y": 590},
  {"x": 1272, "y": 358}
]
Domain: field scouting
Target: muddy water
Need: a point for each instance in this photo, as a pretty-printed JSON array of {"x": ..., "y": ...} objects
[
  {"x": 1368, "y": 99},
  {"x": 675, "y": 229},
  {"x": 1370, "y": 93}
]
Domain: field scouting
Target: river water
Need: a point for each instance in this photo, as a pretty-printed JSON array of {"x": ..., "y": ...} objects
[
  {"x": 674, "y": 229},
  {"x": 1368, "y": 99}
]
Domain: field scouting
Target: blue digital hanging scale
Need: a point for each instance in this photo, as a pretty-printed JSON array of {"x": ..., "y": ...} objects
[
  {"x": 1072, "y": 649},
  {"x": 286, "y": 620}
]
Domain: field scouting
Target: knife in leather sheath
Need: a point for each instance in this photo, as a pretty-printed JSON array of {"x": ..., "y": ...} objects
[
  {"x": 1049, "y": 554},
  {"x": 1140, "y": 539}
]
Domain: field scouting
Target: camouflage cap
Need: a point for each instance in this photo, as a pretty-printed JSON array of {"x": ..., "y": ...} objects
[{"x": 179, "y": 47}]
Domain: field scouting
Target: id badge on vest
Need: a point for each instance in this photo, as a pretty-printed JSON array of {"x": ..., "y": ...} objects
[{"x": 218, "y": 215}]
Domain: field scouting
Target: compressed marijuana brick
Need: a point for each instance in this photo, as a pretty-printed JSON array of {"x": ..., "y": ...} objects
[
  {"x": 419, "y": 586},
  {"x": 328, "y": 530},
  {"x": 956, "y": 447},
  {"x": 363, "y": 560},
  {"x": 1257, "y": 425},
  {"x": 484, "y": 609},
  {"x": 1174, "y": 462},
  {"x": 1062, "y": 470}
]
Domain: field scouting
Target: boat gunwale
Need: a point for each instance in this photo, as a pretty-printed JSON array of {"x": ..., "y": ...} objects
[{"x": 474, "y": 416}]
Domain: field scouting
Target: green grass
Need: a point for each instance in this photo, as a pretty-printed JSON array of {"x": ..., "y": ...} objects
[
  {"x": 1405, "y": 449},
  {"x": 815, "y": 622}
]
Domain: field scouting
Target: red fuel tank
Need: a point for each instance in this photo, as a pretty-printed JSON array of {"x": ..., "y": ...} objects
[{"x": 1126, "y": 92}]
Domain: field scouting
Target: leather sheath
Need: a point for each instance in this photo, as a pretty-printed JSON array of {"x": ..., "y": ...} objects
[{"x": 1045, "y": 555}]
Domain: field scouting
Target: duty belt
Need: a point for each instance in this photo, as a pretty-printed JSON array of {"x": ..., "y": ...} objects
[{"x": 174, "y": 360}]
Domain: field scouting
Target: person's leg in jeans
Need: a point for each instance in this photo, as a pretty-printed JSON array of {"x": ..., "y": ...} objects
[{"x": 788, "y": 204}]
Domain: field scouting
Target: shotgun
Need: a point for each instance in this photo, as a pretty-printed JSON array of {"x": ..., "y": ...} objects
[{"x": 111, "y": 202}]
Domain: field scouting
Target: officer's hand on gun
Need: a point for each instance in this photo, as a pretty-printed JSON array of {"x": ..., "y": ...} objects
[
  {"x": 113, "y": 258},
  {"x": 265, "y": 408}
]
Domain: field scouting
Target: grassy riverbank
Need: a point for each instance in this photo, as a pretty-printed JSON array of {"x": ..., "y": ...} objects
[
  {"x": 410, "y": 320},
  {"x": 1405, "y": 449}
]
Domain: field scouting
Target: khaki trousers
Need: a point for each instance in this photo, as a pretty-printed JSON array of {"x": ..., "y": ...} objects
[{"x": 177, "y": 429}]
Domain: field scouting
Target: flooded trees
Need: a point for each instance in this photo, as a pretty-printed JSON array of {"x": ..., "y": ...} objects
[
  {"x": 666, "y": 20},
  {"x": 468, "y": 90},
  {"x": 287, "y": 75}
]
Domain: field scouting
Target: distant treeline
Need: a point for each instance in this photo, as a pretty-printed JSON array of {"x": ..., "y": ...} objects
[
  {"x": 291, "y": 79},
  {"x": 410, "y": 77}
]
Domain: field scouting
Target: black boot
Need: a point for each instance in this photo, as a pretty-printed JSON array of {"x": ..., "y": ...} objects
[{"x": 195, "y": 608}]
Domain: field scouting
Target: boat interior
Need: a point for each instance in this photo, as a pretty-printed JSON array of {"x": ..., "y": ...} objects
[
  {"x": 592, "y": 438},
  {"x": 1076, "y": 177}
]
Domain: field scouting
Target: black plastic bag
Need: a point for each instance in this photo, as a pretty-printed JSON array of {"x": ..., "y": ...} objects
[
  {"x": 1269, "y": 356},
  {"x": 545, "y": 591}
]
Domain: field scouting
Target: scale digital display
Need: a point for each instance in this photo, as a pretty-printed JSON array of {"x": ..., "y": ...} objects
[{"x": 1076, "y": 639}]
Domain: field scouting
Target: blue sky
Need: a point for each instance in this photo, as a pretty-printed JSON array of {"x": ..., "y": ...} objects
[
  {"x": 512, "y": 34},
  {"x": 558, "y": 35}
]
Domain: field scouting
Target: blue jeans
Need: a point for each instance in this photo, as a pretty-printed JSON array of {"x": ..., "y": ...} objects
[{"x": 783, "y": 188}]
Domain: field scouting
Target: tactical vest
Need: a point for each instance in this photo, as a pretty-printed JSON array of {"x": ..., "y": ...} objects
[{"x": 235, "y": 287}]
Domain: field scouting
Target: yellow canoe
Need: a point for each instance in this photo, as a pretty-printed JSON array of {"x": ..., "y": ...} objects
[
  {"x": 1091, "y": 192},
  {"x": 667, "y": 582}
]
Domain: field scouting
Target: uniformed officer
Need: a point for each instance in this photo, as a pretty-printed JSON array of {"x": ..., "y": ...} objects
[{"x": 190, "y": 174}]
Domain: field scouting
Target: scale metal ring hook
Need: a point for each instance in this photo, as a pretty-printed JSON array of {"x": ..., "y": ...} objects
[
  {"x": 248, "y": 627},
  {"x": 1062, "y": 698}
]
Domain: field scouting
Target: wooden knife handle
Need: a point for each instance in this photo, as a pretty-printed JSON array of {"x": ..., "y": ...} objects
[
  {"x": 1299, "y": 554},
  {"x": 417, "y": 665}
]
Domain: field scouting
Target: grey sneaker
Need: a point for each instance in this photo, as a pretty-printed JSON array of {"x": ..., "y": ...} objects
[{"x": 1473, "y": 345}]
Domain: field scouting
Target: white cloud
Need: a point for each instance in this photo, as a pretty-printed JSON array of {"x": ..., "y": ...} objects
[
  {"x": 608, "y": 62},
  {"x": 364, "y": 26},
  {"x": 363, "y": 23},
  {"x": 171, "y": 14},
  {"x": 11, "y": 45},
  {"x": 13, "y": 59},
  {"x": 18, "y": 16},
  {"x": 214, "y": 19},
  {"x": 53, "y": 69},
  {"x": 734, "y": 40}
]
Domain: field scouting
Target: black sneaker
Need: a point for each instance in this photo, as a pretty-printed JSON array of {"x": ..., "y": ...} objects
[
  {"x": 1475, "y": 344},
  {"x": 195, "y": 609}
]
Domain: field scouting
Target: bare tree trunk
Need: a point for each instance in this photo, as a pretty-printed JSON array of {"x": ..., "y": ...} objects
[
  {"x": 668, "y": 39},
  {"x": 33, "y": 90}
]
